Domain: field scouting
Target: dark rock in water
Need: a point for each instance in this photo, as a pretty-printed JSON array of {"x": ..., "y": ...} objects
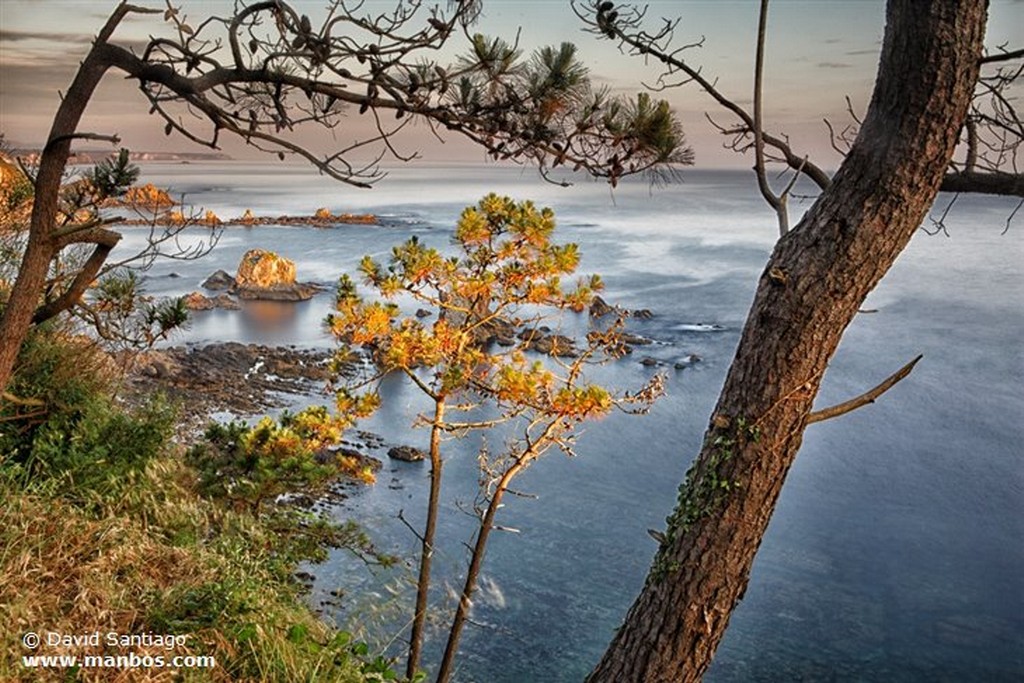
[
  {"x": 226, "y": 302},
  {"x": 218, "y": 281},
  {"x": 406, "y": 454},
  {"x": 554, "y": 345},
  {"x": 642, "y": 313},
  {"x": 538, "y": 339},
  {"x": 423, "y": 313},
  {"x": 634, "y": 339},
  {"x": 648, "y": 361},
  {"x": 498, "y": 330},
  {"x": 687, "y": 361},
  {"x": 173, "y": 275},
  {"x": 600, "y": 308}
]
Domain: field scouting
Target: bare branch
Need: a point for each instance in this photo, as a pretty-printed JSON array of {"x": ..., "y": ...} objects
[
  {"x": 1001, "y": 57},
  {"x": 778, "y": 204},
  {"x": 865, "y": 398},
  {"x": 627, "y": 28}
]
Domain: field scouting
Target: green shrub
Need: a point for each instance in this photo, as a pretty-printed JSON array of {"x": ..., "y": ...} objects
[{"x": 249, "y": 466}]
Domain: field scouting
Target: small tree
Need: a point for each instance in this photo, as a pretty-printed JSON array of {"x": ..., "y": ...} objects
[{"x": 474, "y": 359}]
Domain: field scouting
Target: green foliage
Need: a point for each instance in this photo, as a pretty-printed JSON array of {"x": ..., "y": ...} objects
[
  {"x": 104, "y": 529},
  {"x": 96, "y": 450},
  {"x": 249, "y": 466},
  {"x": 70, "y": 432},
  {"x": 113, "y": 177},
  {"x": 122, "y": 313},
  {"x": 705, "y": 485}
]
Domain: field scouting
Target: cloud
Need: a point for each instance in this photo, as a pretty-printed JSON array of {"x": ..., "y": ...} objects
[{"x": 9, "y": 36}]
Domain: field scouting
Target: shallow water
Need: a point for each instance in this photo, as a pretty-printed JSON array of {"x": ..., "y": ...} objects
[{"x": 896, "y": 549}]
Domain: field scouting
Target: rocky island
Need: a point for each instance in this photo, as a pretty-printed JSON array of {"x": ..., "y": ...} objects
[{"x": 262, "y": 276}]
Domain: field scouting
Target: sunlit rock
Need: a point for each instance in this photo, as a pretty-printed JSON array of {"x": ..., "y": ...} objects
[
  {"x": 263, "y": 269},
  {"x": 266, "y": 275},
  {"x": 148, "y": 196}
]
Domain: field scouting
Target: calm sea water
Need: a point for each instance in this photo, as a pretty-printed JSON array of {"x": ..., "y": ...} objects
[{"x": 896, "y": 552}]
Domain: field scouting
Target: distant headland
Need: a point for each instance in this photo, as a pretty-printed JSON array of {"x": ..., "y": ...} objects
[{"x": 91, "y": 156}]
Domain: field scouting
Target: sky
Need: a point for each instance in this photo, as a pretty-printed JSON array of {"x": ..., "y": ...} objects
[{"x": 818, "y": 53}]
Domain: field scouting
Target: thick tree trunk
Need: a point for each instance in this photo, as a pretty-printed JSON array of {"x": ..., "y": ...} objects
[{"x": 811, "y": 289}]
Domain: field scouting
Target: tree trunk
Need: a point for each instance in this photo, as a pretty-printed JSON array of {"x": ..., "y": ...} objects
[
  {"x": 815, "y": 281},
  {"x": 41, "y": 248},
  {"x": 419, "y": 619}
]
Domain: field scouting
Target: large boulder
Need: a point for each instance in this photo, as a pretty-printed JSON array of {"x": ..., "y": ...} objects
[
  {"x": 261, "y": 269},
  {"x": 267, "y": 276}
]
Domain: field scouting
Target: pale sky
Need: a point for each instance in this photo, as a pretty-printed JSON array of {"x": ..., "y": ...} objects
[{"x": 818, "y": 52}]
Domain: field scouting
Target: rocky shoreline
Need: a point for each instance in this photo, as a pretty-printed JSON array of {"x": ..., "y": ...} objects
[{"x": 228, "y": 377}]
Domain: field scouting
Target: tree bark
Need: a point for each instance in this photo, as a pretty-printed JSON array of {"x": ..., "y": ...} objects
[
  {"x": 42, "y": 245},
  {"x": 811, "y": 288}
]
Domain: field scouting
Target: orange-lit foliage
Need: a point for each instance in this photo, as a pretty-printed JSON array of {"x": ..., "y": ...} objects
[{"x": 506, "y": 272}]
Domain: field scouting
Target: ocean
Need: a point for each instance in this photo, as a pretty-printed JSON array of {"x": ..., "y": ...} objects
[{"x": 896, "y": 551}]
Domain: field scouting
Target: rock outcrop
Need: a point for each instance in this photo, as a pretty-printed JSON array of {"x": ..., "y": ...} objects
[
  {"x": 263, "y": 269},
  {"x": 600, "y": 308},
  {"x": 540, "y": 340},
  {"x": 243, "y": 379},
  {"x": 146, "y": 196},
  {"x": 267, "y": 276},
  {"x": 219, "y": 281}
]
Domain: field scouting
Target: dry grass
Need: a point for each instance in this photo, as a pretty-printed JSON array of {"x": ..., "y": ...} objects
[{"x": 158, "y": 560}]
